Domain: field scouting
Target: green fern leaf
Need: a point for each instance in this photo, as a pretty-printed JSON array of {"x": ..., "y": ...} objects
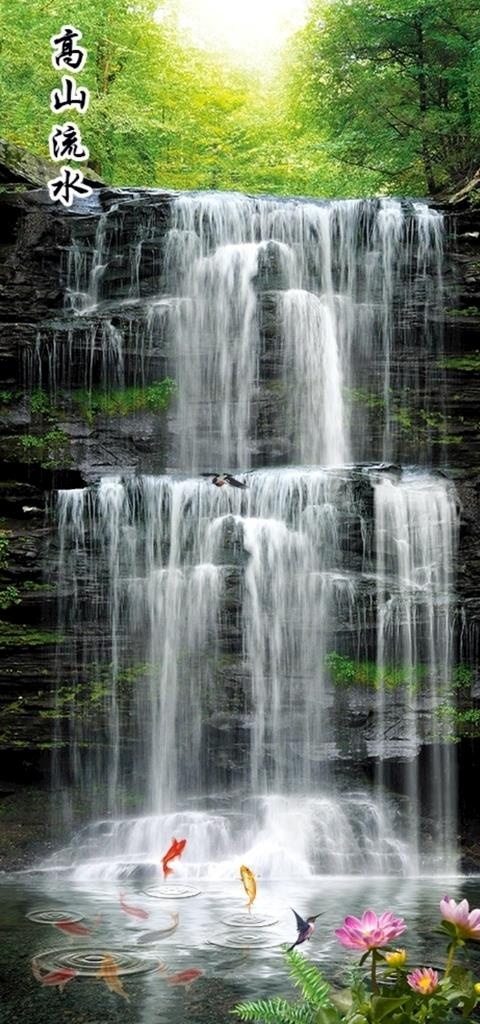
[
  {"x": 274, "y": 1011},
  {"x": 313, "y": 986}
]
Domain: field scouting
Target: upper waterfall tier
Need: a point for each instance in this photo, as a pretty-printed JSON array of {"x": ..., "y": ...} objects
[{"x": 296, "y": 331}]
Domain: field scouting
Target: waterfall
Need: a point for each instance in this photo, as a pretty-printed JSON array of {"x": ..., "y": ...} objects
[
  {"x": 224, "y": 608},
  {"x": 416, "y": 535},
  {"x": 259, "y": 667}
]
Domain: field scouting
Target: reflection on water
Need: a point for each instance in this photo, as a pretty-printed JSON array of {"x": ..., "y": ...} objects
[{"x": 215, "y": 920}]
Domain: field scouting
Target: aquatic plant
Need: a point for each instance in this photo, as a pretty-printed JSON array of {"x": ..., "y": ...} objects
[
  {"x": 395, "y": 994},
  {"x": 423, "y": 980},
  {"x": 369, "y": 931},
  {"x": 465, "y": 921}
]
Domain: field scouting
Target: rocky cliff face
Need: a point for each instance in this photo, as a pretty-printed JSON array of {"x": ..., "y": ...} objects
[{"x": 73, "y": 407}]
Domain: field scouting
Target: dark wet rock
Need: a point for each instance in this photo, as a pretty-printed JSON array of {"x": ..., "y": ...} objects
[{"x": 20, "y": 167}]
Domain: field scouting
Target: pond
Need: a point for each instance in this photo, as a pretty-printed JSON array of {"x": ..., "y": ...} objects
[{"x": 232, "y": 955}]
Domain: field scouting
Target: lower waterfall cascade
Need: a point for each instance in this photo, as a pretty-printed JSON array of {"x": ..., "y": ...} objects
[
  {"x": 261, "y": 669},
  {"x": 299, "y": 561}
]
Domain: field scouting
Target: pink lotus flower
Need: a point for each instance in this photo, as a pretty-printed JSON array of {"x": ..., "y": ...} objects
[
  {"x": 466, "y": 921},
  {"x": 423, "y": 980},
  {"x": 370, "y": 931}
]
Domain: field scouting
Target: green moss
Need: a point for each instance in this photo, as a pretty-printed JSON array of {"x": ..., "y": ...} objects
[
  {"x": 40, "y": 404},
  {"x": 7, "y": 396},
  {"x": 467, "y": 311},
  {"x": 420, "y": 424},
  {"x": 32, "y": 587},
  {"x": 345, "y": 671},
  {"x": 14, "y": 635},
  {"x": 50, "y": 450},
  {"x": 366, "y": 398},
  {"x": 471, "y": 362},
  {"x": 153, "y": 398},
  {"x": 9, "y": 595}
]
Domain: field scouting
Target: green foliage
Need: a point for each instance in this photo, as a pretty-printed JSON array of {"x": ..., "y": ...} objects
[
  {"x": 393, "y": 87},
  {"x": 347, "y": 672},
  {"x": 315, "y": 993},
  {"x": 7, "y": 396},
  {"x": 9, "y": 595},
  {"x": 153, "y": 397},
  {"x": 89, "y": 696},
  {"x": 421, "y": 425},
  {"x": 13, "y": 634},
  {"x": 471, "y": 362},
  {"x": 391, "y": 1000},
  {"x": 51, "y": 449},
  {"x": 466, "y": 311},
  {"x": 458, "y": 712},
  {"x": 4, "y": 544},
  {"x": 39, "y": 402}
]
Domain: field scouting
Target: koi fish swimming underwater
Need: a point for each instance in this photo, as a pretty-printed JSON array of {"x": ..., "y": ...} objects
[
  {"x": 109, "y": 974},
  {"x": 175, "y": 850},
  {"x": 137, "y": 912},
  {"x": 54, "y": 979},
  {"x": 249, "y": 884},
  {"x": 185, "y": 978},
  {"x": 148, "y": 938},
  {"x": 72, "y": 927}
]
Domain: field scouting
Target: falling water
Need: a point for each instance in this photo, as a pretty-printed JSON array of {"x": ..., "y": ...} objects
[
  {"x": 223, "y": 639},
  {"x": 416, "y": 526},
  {"x": 223, "y": 608}
]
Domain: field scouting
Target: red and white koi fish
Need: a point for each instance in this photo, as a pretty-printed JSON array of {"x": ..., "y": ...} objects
[
  {"x": 72, "y": 927},
  {"x": 185, "y": 978},
  {"x": 58, "y": 978},
  {"x": 137, "y": 912},
  {"x": 175, "y": 850}
]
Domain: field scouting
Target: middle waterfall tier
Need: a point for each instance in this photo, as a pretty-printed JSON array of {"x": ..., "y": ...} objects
[{"x": 293, "y": 638}]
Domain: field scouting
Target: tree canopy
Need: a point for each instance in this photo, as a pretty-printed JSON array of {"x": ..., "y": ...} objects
[{"x": 373, "y": 96}]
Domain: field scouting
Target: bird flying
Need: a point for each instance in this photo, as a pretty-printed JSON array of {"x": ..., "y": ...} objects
[
  {"x": 220, "y": 479},
  {"x": 305, "y": 929}
]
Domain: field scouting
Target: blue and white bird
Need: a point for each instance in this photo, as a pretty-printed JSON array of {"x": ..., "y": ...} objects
[{"x": 305, "y": 928}]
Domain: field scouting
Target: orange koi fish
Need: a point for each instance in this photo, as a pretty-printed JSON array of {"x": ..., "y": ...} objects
[
  {"x": 59, "y": 978},
  {"x": 138, "y": 912},
  {"x": 109, "y": 974},
  {"x": 185, "y": 978},
  {"x": 72, "y": 927},
  {"x": 249, "y": 884},
  {"x": 175, "y": 850}
]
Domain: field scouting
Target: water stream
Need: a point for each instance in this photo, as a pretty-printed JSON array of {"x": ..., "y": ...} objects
[{"x": 260, "y": 669}]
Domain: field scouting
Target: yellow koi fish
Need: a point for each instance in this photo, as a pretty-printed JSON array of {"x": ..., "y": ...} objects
[
  {"x": 109, "y": 974},
  {"x": 249, "y": 884}
]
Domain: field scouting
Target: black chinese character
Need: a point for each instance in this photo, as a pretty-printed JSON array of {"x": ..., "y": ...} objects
[
  {"x": 70, "y": 56},
  {"x": 67, "y": 186},
  {"x": 65, "y": 143},
  {"x": 70, "y": 96}
]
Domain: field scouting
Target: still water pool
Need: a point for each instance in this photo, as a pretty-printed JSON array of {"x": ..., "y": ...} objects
[{"x": 233, "y": 955}]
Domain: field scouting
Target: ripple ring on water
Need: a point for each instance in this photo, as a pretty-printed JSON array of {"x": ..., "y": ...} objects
[
  {"x": 253, "y": 921},
  {"x": 247, "y": 939},
  {"x": 87, "y": 962},
  {"x": 53, "y": 916},
  {"x": 172, "y": 892}
]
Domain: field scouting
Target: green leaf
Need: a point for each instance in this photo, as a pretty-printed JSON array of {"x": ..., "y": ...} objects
[
  {"x": 305, "y": 976},
  {"x": 449, "y": 928},
  {"x": 383, "y": 1006},
  {"x": 327, "y": 1015}
]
